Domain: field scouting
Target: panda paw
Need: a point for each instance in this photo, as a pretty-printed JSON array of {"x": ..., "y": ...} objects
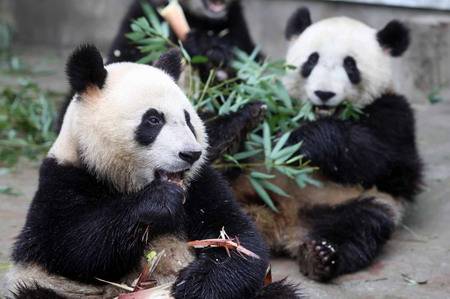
[
  {"x": 318, "y": 259},
  {"x": 218, "y": 52},
  {"x": 253, "y": 114}
]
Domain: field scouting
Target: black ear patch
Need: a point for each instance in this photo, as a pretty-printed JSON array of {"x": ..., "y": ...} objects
[
  {"x": 170, "y": 62},
  {"x": 297, "y": 23},
  {"x": 85, "y": 67},
  {"x": 395, "y": 37}
]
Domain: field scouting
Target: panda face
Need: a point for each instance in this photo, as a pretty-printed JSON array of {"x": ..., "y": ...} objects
[
  {"x": 137, "y": 128},
  {"x": 338, "y": 59},
  {"x": 211, "y": 9}
]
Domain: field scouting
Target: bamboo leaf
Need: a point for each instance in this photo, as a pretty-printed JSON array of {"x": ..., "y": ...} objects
[
  {"x": 261, "y": 175},
  {"x": 274, "y": 188},
  {"x": 263, "y": 194}
]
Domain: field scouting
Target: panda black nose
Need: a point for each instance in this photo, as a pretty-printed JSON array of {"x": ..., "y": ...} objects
[
  {"x": 189, "y": 156},
  {"x": 324, "y": 95}
]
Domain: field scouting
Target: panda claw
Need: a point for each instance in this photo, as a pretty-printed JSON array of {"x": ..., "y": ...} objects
[{"x": 318, "y": 262}]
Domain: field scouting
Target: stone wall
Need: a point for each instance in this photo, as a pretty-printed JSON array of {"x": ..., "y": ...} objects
[{"x": 66, "y": 23}]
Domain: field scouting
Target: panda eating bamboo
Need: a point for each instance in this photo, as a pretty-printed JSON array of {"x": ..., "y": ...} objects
[
  {"x": 369, "y": 168},
  {"x": 127, "y": 175}
]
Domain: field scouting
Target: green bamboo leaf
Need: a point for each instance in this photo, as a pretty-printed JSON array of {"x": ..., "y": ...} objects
[
  {"x": 267, "y": 139},
  {"x": 274, "y": 188},
  {"x": 280, "y": 143},
  {"x": 248, "y": 154},
  {"x": 261, "y": 175},
  {"x": 286, "y": 152},
  {"x": 263, "y": 194}
]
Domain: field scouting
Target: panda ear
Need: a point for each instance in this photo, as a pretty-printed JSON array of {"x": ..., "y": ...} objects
[
  {"x": 297, "y": 23},
  {"x": 170, "y": 63},
  {"x": 85, "y": 68},
  {"x": 394, "y": 37}
]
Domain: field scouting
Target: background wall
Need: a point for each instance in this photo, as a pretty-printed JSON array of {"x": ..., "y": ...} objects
[{"x": 66, "y": 23}]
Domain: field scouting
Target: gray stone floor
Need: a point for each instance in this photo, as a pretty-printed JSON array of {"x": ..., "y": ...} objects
[{"x": 420, "y": 248}]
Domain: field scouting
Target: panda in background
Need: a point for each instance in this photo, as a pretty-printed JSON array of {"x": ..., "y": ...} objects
[
  {"x": 217, "y": 26},
  {"x": 127, "y": 175},
  {"x": 369, "y": 168}
]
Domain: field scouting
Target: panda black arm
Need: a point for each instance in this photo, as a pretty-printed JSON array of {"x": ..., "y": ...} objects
[
  {"x": 360, "y": 152},
  {"x": 209, "y": 207},
  {"x": 77, "y": 228},
  {"x": 239, "y": 34}
]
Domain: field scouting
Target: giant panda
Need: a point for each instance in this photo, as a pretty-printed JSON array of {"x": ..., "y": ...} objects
[
  {"x": 369, "y": 169},
  {"x": 217, "y": 26},
  {"x": 128, "y": 175}
]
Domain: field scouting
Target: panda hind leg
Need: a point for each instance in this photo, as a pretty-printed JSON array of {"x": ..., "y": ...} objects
[{"x": 346, "y": 237}]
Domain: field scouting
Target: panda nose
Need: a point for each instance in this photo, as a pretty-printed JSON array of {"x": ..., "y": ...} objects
[
  {"x": 324, "y": 95},
  {"x": 190, "y": 156}
]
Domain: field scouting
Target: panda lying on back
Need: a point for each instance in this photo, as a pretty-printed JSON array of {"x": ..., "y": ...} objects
[
  {"x": 369, "y": 168},
  {"x": 127, "y": 175}
]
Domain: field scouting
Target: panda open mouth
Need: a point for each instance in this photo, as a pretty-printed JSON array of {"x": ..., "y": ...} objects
[
  {"x": 324, "y": 111},
  {"x": 215, "y": 6},
  {"x": 173, "y": 177}
]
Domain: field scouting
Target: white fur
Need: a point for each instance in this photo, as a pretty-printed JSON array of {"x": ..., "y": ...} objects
[
  {"x": 334, "y": 39},
  {"x": 99, "y": 128}
]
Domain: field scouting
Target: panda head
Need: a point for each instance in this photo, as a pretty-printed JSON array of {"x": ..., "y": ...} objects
[
  {"x": 128, "y": 123},
  {"x": 340, "y": 59},
  {"x": 210, "y": 9}
]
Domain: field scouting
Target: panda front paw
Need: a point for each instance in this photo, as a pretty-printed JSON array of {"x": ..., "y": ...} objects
[
  {"x": 162, "y": 207},
  {"x": 318, "y": 259},
  {"x": 200, "y": 43}
]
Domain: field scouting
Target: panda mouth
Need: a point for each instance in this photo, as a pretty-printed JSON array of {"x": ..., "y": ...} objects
[
  {"x": 172, "y": 177},
  {"x": 215, "y": 6},
  {"x": 324, "y": 111}
]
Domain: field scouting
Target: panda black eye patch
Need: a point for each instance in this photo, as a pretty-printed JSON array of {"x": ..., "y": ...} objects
[
  {"x": 309, "y": 65},
  {"x": 352, "y": 70},
  {"x": 187, "y": 116},
  {"x": 151, "y": 124}
]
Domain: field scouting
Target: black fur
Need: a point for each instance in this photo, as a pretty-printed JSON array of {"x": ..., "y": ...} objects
[
  {"x": 279, "y": 289},
  {"x": 395, "y": 37},
  {"x": 352, "y": 70},
  {"x": 151, "y": 125},
  {"x": 297, "y": 23},
  {"x": 356, "y": 229},
  {"x": 309, "y": 65},
  {"x": 170, "y": 62},
  {"x": 379, "y": 149},
  {"x": 34, "y": 292},
  {"x": 85, "y": 67},
  {"x": 97, "y": 232},
  {"x": 187, "y": 117}
]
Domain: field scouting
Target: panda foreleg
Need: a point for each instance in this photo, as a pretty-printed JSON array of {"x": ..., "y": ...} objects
[
  {"x": 228, "y": 132},
  {"x": 210, "y": 207},
  {"x": 345, "y": 238}
]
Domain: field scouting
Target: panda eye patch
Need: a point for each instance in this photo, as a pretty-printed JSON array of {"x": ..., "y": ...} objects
[
  {"x": 309, "y": 65},
  {"x": 151, "y": 124},
  {"x": 352, "y": 70}
]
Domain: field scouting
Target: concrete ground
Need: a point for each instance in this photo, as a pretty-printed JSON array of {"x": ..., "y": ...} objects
[{"x": 420, "y": 248}]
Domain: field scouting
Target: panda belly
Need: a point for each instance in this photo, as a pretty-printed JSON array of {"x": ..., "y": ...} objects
[
  {"x": 177, "y": 255},
  {"x": 285, "y": 231}
]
